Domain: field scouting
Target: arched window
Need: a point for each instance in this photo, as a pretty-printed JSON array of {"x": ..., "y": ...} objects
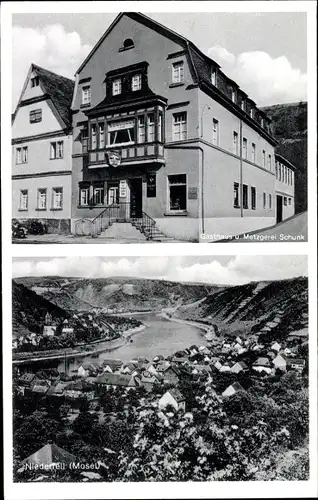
[{"x": 128, "y": 43}]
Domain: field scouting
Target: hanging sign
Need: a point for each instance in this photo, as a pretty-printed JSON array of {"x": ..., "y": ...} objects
[{"x": 114, "y": 158}]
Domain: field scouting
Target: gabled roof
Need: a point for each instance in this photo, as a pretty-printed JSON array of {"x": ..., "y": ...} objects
[
  {"x": 176, "y": 394},
  {"x": 115, "y": 379},
  {"x": 49, "y": 454},
  {"x": 58, "y": 88}
]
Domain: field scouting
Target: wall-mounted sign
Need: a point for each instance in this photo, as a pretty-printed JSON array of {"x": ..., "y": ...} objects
[
  {"x": 151, "y": 185},
  {"x": 122, "y": 189},
  {"x": 114, "y": 158},
  {"x": 192, "y": 193}
]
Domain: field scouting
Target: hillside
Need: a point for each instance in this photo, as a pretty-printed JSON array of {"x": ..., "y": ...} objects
[
  {"x": 126, "y": 294},
  {"x": 29, "y": 309},
  {"x": 274, "y": 308},
  {"x": 289, "y": 124}
]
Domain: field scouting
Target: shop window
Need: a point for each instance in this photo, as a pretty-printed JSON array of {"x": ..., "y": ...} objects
[
  {"x": 177, "y": 192},
  {"x": 151, "y": 185},
  {"x": 98, "y": 194},
  {"x": 253, "y": 198},
  {"x": 121, "y": 132},
  {"x": 245, "y": 196},
  {"x": 57, "y": 198},
  {"x": 236, "y": 195}
]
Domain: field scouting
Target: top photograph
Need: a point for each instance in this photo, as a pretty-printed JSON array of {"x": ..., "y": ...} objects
[{"x": 159, "y": 128}]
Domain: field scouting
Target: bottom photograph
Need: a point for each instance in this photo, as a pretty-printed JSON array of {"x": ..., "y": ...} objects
[{"x": 160, "y": 368}]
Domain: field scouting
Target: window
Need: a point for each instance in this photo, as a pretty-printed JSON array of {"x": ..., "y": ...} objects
[
  {"x": 276, "y": 170},
  {"x": 42, "y": 199},
  {"x": 179, "y": 126},
  {"x": 253, "y": 198},
  {"x": 270, "y": 201},
  {"x": 269, "y": 162},
  {"x": 84, "y": 138},
  {"x": 24, "y": 198},
  {"x": 235, "y": 143},
  {"x": 279, "y": 172},
  {"x": 101, "y": 134},
  {"x": 291, "y": 177},
  {"x": 289, "y": 201},
  {"x": 160, "y": 128},
  {"x": 84, "y": 196},
  {"x": 141, "y": 129},
  {"x": 116, "y": 86},
  {"x": 252, "y": 113},
  {"x": 128, "y": 43},
  {"x": 264, "y": 159},
  {"x": 57, "y": 150},
  {"x": 215, "y": 131},
  {"x": 233, "y": 95},
  {"x": 121, "y": 132},
  {"x": 262, "y": 122},
  {"x": 98, "y": 194},
  {"x": 264, "y": 200},
  {"x": 285, "y": 201},
  {"x": 57, "y": 198},
  {"x": 93, "y": 137},
  {"x": 35, "y": 82},
  {"x": 86, "y": 95},
  {"x": 151, "y": 185},
  {"x": 245, "y": 196},
  {"x": 283, "y": 173},
  {"x": 151, "y": 127},
  {"x": 178, "y": 72},
  {"x": 253, "y": 152},
  {"x": 36, "y": 116},
  {"x": 136, "y": 82},
  {"x": 244, "y": 148},
  {"x": 213, "y": 76},
  {"x": 22, "y": 155},
  {"x": 243, "y": 105},
  {"x": 177, "y": 192},
  {"x": 236, "y": 195},
  {"x": 286, "y": 174}
]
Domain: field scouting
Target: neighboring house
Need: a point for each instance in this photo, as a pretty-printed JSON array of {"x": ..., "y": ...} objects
[
  {"x": 49, "y": 330},
  {"x": 152, "y": 115},
  {"x": 297, "y": 364},
  {"x": 276, "y": 347},
  {"x": 146, "y": 381},
  {"x": 174, "y": 398},
  {"x": 285, "y": 188},
  {"x": 42, "y": 149},
  {"x": 226, "y": 367},
  {"x": 262, "y": 365},
  {"x": 238, "y": 367},
  {"x": 107, "y": 380},
  {"x": 26, "y": 379},
  {"x": 280, "y": 362},
  {"x": 79, "y": 389},
  {"x": 232, "y": 389}
]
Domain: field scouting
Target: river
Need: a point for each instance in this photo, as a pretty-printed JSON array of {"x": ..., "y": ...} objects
[{"x": 160, "y": 336}]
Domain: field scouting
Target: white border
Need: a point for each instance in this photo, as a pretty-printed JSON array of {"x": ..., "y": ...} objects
[{"x": 155, "y": 490}]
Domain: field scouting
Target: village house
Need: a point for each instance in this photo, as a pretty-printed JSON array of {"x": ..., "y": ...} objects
[
  {"x": 232, "y": 389},
  {"x": 296, "y": 364},
  {"x": 107, "y": 380},
  {"x": 285, "y": 188},
  {"x": 262, "y": 365},
  {"x": 280, "y": 362},
  {"x": 174, "y": 398},
  {"x": 238, "y": 367},
  {"x": 42, "y": 151},
  {"x": 161, "y": 133}
]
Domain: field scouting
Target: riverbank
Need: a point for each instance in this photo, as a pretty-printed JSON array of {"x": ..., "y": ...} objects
[
  {"x": 206, "y": 328},
  {"x": 95, "y": 348}
]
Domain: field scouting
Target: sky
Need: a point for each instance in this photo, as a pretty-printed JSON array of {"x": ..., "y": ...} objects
[
  {"x": 221, "y": 270},
  {"x": 265, "y": 53}
]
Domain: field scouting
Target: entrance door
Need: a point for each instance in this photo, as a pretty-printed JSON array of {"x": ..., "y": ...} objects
[
  {"x": 136, "y": 198},
  {"x": 279, "y": 209}
]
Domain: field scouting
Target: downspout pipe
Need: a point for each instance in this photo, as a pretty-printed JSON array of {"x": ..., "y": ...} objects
[
  {"x": 198, "y": 148},
  {"x": 241, "y": 168}
]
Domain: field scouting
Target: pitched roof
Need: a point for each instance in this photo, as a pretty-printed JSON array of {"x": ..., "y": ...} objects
[
  {"x": 49, "y": 454},
  {"x": 176, "y": 394},
  {"x": 59, "y": 89},
  {"x": 262, "y": 362},
  {"x": 115, "y": 379}
]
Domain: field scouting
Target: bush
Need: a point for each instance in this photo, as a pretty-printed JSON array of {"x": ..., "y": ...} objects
[{"x": 18, "y": 230}]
